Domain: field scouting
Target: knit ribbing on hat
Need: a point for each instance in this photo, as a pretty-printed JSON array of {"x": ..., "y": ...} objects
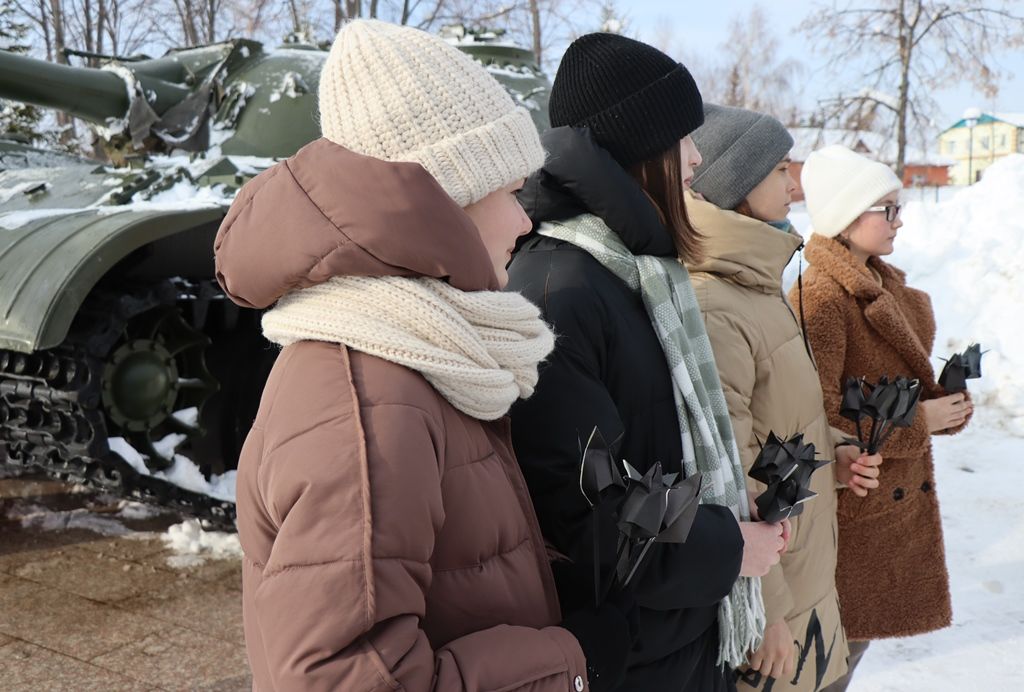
[
  {"x": 479, "y": 349},
  {"x": 637, "y": 101},
  {"x": 739, "y": 149},
  {"x": 840, "y": 184},
  {"x": 400, "y": 94}
]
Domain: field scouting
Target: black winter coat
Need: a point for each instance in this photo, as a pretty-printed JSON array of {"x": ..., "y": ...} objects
[{"x": 608, "y": 370}]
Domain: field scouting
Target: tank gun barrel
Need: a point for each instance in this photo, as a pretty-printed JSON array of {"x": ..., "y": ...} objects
[{"x": 85, "y": 92}]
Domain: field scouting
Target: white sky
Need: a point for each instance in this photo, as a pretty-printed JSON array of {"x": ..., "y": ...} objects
[{"x": 701, "y": 27}]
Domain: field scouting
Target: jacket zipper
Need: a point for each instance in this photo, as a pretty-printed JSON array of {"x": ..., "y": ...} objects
[{"x": 799, "y": 322}]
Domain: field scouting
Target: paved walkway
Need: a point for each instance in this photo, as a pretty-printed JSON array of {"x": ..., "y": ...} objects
[{"x": 84, "y": 611}]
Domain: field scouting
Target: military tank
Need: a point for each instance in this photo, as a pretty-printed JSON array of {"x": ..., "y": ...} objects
[{"x": 122, "y": 364}]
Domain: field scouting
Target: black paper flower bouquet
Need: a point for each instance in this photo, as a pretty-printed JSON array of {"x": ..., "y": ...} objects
[
  {"x": 887, "y": 405},
  {"x": 648, "y": 508},
  {"x": 786, "y": 468}
]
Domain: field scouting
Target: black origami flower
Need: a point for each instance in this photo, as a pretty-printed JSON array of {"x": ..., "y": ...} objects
[
  {"x": 888, "y": 405},
  {"x": 961, "y": 367},
  {"x": 656, "y": 508},
  {"x": 598, "y": 470},
  {"x": 647, "y": 508},
  {"x": 786, "y": 468}
]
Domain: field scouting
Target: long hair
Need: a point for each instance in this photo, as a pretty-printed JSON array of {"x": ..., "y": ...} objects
[{"x": 661, "y": 178}]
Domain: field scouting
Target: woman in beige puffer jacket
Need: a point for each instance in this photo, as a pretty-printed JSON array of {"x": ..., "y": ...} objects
[{"x": 771, "y": 382}]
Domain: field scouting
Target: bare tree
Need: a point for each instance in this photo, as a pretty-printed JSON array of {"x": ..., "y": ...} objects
[
  {"x": 914, "y": 46},
  {"x": 749, "y": 72},
  {"x": 612, "y": 19},
  {"x": 16, "y": 118},
  {"x": 537, "y": 33},
  {"x": 128, "y": 25},
  {"x": 546, "y": 26},
  {"x": 419, "y": 13},
  {"x": 198, "y": 20}
]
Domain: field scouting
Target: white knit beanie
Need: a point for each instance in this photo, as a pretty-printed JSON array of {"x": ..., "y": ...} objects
[
  {"x": 840, "y": 184},
  {"x": 400, "y": 94}
]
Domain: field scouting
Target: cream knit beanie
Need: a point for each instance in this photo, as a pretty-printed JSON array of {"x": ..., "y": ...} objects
[
  {"x": 840, "y": 184},
  {"x": 400, "y": 94}
]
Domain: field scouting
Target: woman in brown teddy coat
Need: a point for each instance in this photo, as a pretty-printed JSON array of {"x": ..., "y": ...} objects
[{"x": 864, "y": 321}]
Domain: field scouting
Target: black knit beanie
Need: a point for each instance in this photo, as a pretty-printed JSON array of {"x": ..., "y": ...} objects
[{"x": 636, "y": 100}]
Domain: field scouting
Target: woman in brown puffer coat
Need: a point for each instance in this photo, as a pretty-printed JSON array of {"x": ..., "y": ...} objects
[
  {"x": 389, "y": 539},
  {"x": 864, "y": 321}
]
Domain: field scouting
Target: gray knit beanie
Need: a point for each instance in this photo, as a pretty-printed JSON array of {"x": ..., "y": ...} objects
[{"x": 740, "y": 148}]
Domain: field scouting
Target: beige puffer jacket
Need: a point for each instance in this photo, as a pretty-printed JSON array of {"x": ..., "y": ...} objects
[{"x": 771, "y": 385}]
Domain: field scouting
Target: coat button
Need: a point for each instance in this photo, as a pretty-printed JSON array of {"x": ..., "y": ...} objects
[
  {"x": 578, "y": 683},
  {"x": 897, "y": 494},
  {"x": 926, "y": 487}
]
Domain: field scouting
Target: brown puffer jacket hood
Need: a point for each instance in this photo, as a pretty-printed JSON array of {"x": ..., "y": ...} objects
[{"x": 328, "y": 211}]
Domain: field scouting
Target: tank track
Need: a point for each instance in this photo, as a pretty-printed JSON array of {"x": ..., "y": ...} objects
[{"x": 51, "y": 415}]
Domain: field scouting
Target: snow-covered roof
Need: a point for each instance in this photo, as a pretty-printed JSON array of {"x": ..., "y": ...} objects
[
  {"x": 1015, "y": 119},
  {"x": 873, "y": 144},
  {"x": 808, "y": 139}
]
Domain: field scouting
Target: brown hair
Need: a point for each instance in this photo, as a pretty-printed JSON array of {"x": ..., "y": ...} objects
[
  {"x": 744, "y": 208},
  {"x": 661, "y": 178}
]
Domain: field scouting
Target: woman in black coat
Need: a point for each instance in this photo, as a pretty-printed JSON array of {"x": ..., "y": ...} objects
[{"x": 620, "y": 151}]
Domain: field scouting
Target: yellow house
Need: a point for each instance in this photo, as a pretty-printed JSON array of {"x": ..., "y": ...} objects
[{"x": 995, "y": 135}]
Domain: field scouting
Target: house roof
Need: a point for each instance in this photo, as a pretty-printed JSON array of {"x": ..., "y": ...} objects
[
  {"x": 1015, "y": 119},
  {"x": 872, "y": 144}
]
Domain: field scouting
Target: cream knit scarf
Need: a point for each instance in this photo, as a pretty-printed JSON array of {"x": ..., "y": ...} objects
[{"x": 480, "y": 350}]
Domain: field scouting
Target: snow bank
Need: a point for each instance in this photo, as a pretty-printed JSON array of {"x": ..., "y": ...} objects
[
  {"x": 193, "y": 545},
  {"x": 967, "y": 252}
]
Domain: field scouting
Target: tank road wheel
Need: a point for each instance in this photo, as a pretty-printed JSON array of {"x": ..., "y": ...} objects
[
  {"x": 155, "y": 383},
  {"x": 135, "y": 365}
]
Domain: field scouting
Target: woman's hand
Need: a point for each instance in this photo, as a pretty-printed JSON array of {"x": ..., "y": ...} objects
[
  {"x": 946, "y": 412},
  {"x": 776, "y": 657},
  {"x": 755, "y": 515},
  {"x": 763, "y": 545},
  {"x": 857, "y": 470}
]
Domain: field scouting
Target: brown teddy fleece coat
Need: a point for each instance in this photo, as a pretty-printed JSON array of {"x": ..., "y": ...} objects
[
  {"x": 891, "y": 574},
  {"x": 771, "y": 385},
  {"x": 389, "y": 539}
]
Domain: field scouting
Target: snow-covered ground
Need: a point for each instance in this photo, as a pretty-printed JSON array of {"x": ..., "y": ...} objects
[
  {"x": 967, "y": 251},
  {"x": 188, "y": 544}
]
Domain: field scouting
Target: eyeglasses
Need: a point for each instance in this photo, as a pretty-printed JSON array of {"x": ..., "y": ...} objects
[{"x": 892, "y": 211}]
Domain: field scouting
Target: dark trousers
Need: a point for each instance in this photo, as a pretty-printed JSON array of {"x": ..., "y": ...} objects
[{"x": 857, "y": 650}]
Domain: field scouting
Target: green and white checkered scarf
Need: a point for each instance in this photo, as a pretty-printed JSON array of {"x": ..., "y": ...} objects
[{"x": 709, "y": 447}]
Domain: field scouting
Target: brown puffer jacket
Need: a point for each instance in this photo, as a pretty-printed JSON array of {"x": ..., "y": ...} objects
[
  {"x": 892, "y": 574},
  {"x": 389, "y": 539},
  {"x": 771, "y": 385}
]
